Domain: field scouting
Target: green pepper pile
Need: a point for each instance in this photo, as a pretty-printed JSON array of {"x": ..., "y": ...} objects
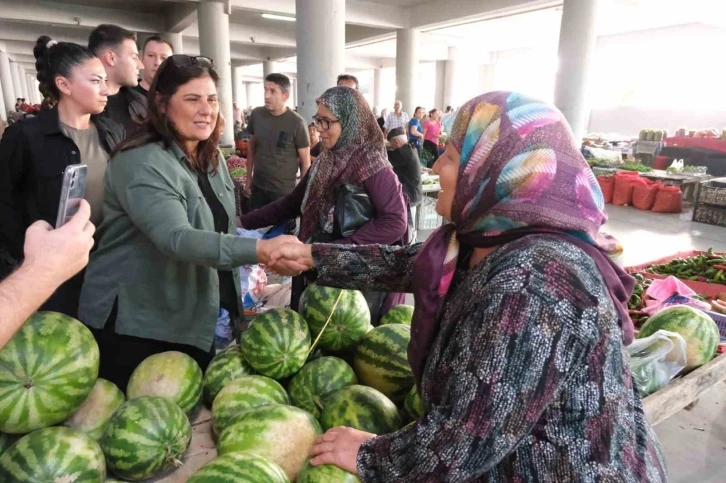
[
  {"x": 707, "y": 267},
  {"x": 641, "y": 286}
]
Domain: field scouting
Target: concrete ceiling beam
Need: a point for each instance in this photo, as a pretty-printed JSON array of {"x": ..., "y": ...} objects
[
  {"x": 431, "y": 15},
  {"x": 181, "y": 17}
]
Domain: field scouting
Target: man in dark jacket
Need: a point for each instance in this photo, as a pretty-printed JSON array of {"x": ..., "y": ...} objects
[{"x": 405, "y": 161}]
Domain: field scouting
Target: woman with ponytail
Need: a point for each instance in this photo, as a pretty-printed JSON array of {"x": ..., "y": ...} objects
[{"x": 35, "y": 152}]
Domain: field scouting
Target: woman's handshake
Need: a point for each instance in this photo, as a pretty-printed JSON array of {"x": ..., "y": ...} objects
[{"x": 290, "y": 258}]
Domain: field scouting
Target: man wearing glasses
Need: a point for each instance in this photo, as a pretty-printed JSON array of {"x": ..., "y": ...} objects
[
  {"x": 116, "y": 47},
  {"x": 278, "y": 145}
]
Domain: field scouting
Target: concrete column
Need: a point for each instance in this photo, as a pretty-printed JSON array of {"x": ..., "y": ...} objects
[
  {"x": 31, "y": 91},
  {"x": 377, "y": 87},
  {"x": 294, "y": 92},
  {"x": 451, "y": 77},
  {"x": 8, "y": 91},
  {"x": 407, "y": 47},
  {"x": 214, "y": 43},
  {"x": 269, "y": 67},
  {"x": 17, "y": 85},
  {"x": 440, "y": 84},
  {"x": 578, "y": 38},
  {"x": 237, "y": 87},
  {"x": 175, "y": 39},
  {"x": 3, "y": 110},
  {"x": 248, "y": 91},
  {"x": 320, "y": 34}
]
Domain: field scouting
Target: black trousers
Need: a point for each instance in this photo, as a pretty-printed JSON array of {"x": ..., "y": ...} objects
[{"x": 120, "y": 354}]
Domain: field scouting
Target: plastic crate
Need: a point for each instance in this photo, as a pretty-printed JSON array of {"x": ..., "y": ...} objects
[
  {"x": 711, "y": 215},
  {"x": 720, "y": 320},
  {"x": 712, "y": 193},
  {"x": 426, "y": 216}
]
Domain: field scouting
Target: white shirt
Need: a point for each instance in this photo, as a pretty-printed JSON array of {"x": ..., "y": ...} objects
[{"x": 393, "y": 121}]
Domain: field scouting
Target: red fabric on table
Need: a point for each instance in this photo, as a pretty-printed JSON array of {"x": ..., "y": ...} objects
[{"x": 713, "y": 144}]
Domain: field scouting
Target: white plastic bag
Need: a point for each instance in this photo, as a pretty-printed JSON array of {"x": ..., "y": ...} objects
[{"x": 657, "y": 359}]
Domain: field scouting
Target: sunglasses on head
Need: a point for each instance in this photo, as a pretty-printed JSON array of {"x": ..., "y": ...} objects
[{"x": 181, "y": 60}]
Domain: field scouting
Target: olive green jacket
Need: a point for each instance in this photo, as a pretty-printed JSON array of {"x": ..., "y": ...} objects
[{"x": 157, "y": 250}]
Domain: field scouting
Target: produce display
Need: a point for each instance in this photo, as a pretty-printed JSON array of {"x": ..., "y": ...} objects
[
  {"x": 708, "y": 267},
  {"x": 244, "y": 393},
  {"x": 639, "y": 167},
  {"x": 381, "y": 361},
  {"x": 653, "y": 135},
  {"x": 47, "y": 370},
  {"x": 146, "y": 436},
  {"x": 351, "y": 319},
  {"x": 698, "y": 329},
  {"x": 276, "y": 343},
  {"x": 7, "y": 440},
  {"x": 93, "y": 415},
  {"x": 325, "y": 474},
  {"x": 400, "y": 314},
  {"x": 317, "y": 379},
  {"x": 56, "y": 455},
  {"x": 283, "y": 434},
  {"x": 243, "y": 467},
  {"x": 173, "y": 375},
  {"x": 362, "y": 408},
  {"x": 224, "y": 368}
]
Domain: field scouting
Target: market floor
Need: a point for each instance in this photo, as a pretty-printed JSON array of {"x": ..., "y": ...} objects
[{"x": 694, "y": 441}]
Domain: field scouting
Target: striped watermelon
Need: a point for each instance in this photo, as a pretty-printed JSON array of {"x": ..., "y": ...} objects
[
  {"x": 400, "y": 314},
  {"x": 225, "y": 367},
  {"x": 47, "y": 370},
  {"x": 325, "y": 474},
  {"x": 96, "y": 411},
  {"x": 7, "y": 440},
  {"x": 276, "y": 344},
  {"x": 318, "y": 378},
  {"x": 381, "y": 363},
  {"x": 146, "y": 436},
  {"x": 349, "y": 323},
  {"x": 244, "y": 393},
  {"x": 698, "y": 329},
  {"x": 54, "y": 455},
  {"x": 280, "y": 433},
  {"x": 362, "y": 408},
  {"x": 173, "y": 375},
  {"x": 413, "y": 407},
  {"x": 243, "y": 467}
]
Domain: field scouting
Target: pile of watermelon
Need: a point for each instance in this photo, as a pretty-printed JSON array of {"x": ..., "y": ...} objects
[{"x": 291, "y": 377}]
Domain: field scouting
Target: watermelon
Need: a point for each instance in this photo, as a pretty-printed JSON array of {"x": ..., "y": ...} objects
[
  {"x": 276, "y": 344},
  {"x": 7, "y": 440},
  {"x": 318, "y": 378},
  {"x": 224, "y": 368},
  {"x": 362, "y": 408},
  {"x": 348, "y": 324},
  {"x": 280, "y": 433},
  {"x": 244, "y": 393},
  {"x": 698, "y": 329},
  {"x": 413, "y": 407},
  {"x": 325, "y": 474},
  {"x": 400, "y": 314},
  {"x": 146, "y": 436},
  {"x": 381, "y": 362},
  {"x": 47, "y": 370},
  {"x": 173, "y": 375},
  {"x": 96, "y": 411},
  {"x": 243, "y": 467},
  {"x": 54, "y": 455}
]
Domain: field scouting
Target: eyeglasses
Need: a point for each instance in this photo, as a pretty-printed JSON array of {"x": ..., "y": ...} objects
[{"x": 322, "y": 123}]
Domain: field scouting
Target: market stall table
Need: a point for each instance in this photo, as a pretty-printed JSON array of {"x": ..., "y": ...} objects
[{"x": 687, "y": 184}]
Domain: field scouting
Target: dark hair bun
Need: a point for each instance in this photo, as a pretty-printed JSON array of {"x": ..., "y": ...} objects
[{"x": 55, "y": 60}]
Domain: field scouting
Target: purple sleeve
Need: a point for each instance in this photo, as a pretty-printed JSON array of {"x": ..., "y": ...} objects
[
  {"x": 391, "y": 220},
  {"x": 281, "y": 210}
]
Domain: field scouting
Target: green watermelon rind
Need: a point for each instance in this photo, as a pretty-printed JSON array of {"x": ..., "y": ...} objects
[
  {"x": 65, "y": 361},
  {"x": 147, "y": 435},
  {"x": 276, "y": 343},
  {"x": 242, "y": 467},
  {"x": 400, "y": 314},
  {"x": 381, "y": 361},
  {"x": 695, "y": 326},
  {"x": 66, "y": 454},
  {"x": 413, "y": 407},
  {"x": 325, "y": 474},
  {"x": 362, "y": 408},
  {"x": 350, "y": 321},
  {"x": 93, "y": 415},
  {"x": 244, "y": 393},
  {"x": 173, "y": 375},
  {"x": 317, "y": 379},
  {"x": 223, "y": 369}
]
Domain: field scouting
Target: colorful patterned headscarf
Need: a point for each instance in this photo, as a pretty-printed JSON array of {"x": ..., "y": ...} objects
[
  {"x": 358, "y": 154},
  {"x": 520, "y": 173}
]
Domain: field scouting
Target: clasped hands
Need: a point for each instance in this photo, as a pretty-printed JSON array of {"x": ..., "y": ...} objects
[{"x": 285, "y": 255}]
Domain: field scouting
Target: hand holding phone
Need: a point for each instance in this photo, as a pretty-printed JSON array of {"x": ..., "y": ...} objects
[{"x": 72, "y": 192}]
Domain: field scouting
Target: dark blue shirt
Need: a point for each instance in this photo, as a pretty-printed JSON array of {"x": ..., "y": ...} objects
[{"x": 415, "y": 140}]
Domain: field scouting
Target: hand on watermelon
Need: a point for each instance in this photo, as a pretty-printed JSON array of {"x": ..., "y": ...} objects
[
  {"x": 292, "y": 259},
  {"x": 339, "y": 446}
]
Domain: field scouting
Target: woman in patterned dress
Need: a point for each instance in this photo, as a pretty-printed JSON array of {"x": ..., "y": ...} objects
[{"x": 517, "y": 341}]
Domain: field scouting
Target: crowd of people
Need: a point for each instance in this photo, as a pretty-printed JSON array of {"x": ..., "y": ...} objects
[{"x": 520, "y": 316}]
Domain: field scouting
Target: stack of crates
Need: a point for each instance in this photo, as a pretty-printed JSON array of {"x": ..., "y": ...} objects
[{"x": 711, "y": 202}]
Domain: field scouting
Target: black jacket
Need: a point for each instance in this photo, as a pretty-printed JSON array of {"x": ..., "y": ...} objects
[
  {"x": 33, "y": 155},
  {"x": 406, "y": 165}
]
